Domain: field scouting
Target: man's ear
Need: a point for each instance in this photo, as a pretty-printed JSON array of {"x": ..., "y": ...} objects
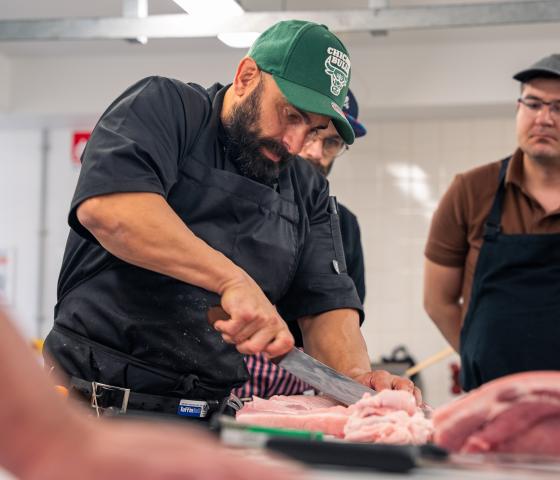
[{"x": 247, "y": 77}]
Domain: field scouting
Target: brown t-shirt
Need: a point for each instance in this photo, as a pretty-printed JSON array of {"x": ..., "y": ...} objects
[{"x": 456, "y": 232}]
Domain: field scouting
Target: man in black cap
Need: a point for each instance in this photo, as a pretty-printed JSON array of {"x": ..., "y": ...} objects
[
  {"x": 192, "y": 205},
  {"x": 492, "y": 272},
  {"x": 268, "y": 379}
]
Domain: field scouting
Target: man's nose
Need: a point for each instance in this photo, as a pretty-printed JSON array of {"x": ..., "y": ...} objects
[
  {"x": 313, "y": 150},
  {"x": 544, "y": 115},
  {"x": 294, "y": 140}
]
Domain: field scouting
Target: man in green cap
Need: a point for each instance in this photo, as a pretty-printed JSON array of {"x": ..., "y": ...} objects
[{"x": 196, "y": 233}]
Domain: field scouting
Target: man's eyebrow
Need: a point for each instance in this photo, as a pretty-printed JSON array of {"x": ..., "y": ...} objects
[{"x": 536, "y": 97}]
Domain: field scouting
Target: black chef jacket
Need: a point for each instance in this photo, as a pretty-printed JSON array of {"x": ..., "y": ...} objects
[
  {"x": 120, "y": 324},
  {"x": 351, "y": 241}
]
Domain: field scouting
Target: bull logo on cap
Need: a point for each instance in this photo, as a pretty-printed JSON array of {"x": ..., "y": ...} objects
[{"x": 337, "y": 66}]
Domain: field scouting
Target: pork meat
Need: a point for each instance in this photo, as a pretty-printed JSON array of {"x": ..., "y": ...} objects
[
  {"x": 388, "y": 417},
  {"x": 519, "y": 413},
  {"x": 314, "y": 413},
  {"x": 391, "y": 416}
]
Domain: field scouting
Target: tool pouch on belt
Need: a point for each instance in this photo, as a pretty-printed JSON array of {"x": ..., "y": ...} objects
[{"x": 110, "y": 367}]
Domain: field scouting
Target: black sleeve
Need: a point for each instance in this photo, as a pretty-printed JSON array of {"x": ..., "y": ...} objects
[
  {"x": 321, "y": 282},
  {"x": 353, "y": 251},
  {"x": 136, "y": 146}
]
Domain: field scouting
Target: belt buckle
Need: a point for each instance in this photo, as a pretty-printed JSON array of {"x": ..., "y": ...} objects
[{"x": 97, "y": 390}]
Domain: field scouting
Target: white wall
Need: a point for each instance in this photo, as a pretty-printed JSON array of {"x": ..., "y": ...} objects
[
  {"x": 5, "y": 83},
  {"x": 390, "y": 79},
  {"x": 85, "y": 85},
  {"x": 20, "y": 169},
  {"x": 62, "y": 175}
]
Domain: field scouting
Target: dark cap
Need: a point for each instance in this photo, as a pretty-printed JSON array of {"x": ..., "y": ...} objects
[
  {"x": 545, "y": 67},
  {"x": 310, "y": 65},
  {"x": 350, "y": 109}
]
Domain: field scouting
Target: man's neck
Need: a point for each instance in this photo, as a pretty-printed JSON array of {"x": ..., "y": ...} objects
[
  {"x": 542, "y": 174},
  {"x": 542, "y": 180}
]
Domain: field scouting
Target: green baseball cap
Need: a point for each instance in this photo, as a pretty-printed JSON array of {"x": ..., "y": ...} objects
[{"x": 310, "y": 65}]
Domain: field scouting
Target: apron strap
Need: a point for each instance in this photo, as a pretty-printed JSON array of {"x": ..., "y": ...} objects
[{"x": 493, "y": 226}]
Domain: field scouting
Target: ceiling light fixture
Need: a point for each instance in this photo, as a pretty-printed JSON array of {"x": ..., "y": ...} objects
[{"x": 222, "y": 9}]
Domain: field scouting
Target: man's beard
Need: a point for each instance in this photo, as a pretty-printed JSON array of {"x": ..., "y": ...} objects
[
  {"x": 245, "y": 145},
  {"x": 322, "y": 169}
]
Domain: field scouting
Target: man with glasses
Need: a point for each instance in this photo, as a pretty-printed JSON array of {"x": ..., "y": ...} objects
[
  {"x": 191, "y": 207},
  {"x": 492, "y": 271},
  {"x": 321, "y": 150}
]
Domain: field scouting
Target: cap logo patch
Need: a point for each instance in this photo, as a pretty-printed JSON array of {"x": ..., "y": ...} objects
[
  {"x": 337, "y": 109},
  {"x": 337, "y": 66}
]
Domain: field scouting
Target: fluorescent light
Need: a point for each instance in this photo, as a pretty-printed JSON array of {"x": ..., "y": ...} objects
[
  {"x": 213, "y": 8},
  {"x": 218, "y": 9},
  {"x": 238, "y": 39}
]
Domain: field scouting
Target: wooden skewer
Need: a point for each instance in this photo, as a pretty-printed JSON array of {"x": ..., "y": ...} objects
[{"x": 438, "y": 357}]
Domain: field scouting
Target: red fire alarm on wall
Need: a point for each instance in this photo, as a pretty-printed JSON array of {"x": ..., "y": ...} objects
[{"x": 79, "y": 140}]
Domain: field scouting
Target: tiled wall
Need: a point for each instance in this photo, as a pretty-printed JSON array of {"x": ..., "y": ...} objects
[{"x": 392, "y": 179}]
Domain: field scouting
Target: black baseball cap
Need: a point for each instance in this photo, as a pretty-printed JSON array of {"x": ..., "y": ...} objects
[{"x": 545, "y": 67}]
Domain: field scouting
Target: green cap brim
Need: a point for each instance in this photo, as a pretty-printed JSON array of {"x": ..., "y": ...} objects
[{"x": 309, "y": 100}]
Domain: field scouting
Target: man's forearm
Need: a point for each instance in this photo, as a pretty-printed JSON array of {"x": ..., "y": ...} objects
[
  {"x": 335, "y": 339},
  {"x": 447, "y": 319},
  {"x": 141, "y": 229}
]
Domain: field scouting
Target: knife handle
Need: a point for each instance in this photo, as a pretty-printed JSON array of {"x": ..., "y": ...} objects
[{"x": 385, "y": 458}]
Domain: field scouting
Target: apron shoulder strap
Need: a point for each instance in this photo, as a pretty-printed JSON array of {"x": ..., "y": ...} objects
[{"x": 493, "y": 226}]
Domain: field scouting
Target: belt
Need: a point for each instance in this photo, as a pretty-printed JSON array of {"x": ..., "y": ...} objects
[{"x": 119, "y": 400}]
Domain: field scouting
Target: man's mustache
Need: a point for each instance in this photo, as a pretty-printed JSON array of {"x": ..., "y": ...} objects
[{"x": 275, "y": 148}]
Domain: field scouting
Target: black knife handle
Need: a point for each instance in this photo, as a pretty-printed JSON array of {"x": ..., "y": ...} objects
[{"x": 386, "y": 458}]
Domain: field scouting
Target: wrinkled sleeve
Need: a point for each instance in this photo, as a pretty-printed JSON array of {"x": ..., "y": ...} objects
[
  {"x": 447, "y": 243},
  {"x": 321, "y": 282},
  {"x": 136, "y": 146}
]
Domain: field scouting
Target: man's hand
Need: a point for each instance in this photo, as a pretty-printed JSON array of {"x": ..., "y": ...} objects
[
  {"x": 382, "y": 380},
  {"x": 254, "y": 324}
]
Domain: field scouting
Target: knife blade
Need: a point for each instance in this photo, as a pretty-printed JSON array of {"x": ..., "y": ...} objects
[{"x": 323, "y": 378}]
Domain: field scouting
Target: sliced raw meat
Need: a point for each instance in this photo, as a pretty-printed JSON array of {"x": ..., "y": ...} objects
[
  {"x": 314, "y": 413},
  {"x": 388, "y": 417},
  {"x": 519, "y": 413}
]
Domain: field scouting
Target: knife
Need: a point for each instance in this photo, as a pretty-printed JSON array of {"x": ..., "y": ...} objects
[{"x": 323, "y": 378}]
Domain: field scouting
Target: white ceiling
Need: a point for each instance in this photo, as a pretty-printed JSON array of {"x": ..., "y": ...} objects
[{"x": 22, "y": 9}]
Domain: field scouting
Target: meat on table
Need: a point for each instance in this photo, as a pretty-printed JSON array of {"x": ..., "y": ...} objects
[
  {"x": 388, "y": 417},
  {"x": 518, "y": 413}
]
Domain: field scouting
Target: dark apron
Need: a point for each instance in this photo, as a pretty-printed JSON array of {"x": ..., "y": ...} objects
[
  {"x": 149, "y": 332},
  {"x": 513, "y": 320}
]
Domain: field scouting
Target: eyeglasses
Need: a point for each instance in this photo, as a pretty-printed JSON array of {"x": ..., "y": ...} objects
[
  {"x": 535, "y": 105},
  {"x": 332, "y": 146}
]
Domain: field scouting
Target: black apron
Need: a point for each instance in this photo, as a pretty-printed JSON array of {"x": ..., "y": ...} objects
[
  {"x": 513, "y": 320},
  {"x": 131, "y": 337}
]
